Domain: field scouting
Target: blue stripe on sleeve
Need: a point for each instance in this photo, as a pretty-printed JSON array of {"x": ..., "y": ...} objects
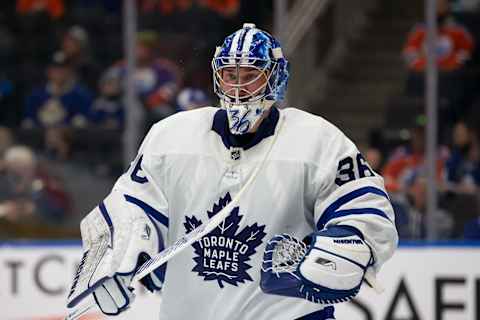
[
  {"x": 107, "y": 218},
  {"x": 332, "y": 213},
  {"x": 150, "y": 211}
]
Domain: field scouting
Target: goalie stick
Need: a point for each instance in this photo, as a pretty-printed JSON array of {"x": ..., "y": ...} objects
[{"x": 196, "y": 234}]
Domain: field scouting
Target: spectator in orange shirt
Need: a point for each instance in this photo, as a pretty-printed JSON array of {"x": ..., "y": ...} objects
[
  {"x": 54, "y": 8},
  {"x": 166, "y": 7},
  {"x": 453, "y": 48},
  {"x": 226, "y": 8},
  {"x": 405, "y": 180},
  {"x": 401, "y": 170}
]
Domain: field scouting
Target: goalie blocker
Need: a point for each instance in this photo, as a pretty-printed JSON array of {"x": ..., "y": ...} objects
[{"x": 116, "y": 242}]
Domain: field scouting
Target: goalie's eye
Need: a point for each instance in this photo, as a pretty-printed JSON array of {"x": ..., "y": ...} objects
[{"x": 326, "y": 263}]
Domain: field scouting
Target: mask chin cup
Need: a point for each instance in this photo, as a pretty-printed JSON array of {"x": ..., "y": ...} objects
[{"x": 243, "y": 117}]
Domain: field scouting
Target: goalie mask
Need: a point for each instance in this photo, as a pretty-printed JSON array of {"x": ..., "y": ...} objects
[{"x": 249, "y": 75}]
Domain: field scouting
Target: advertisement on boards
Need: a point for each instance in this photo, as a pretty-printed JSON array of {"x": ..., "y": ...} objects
[{"x": 419, "y": 282}]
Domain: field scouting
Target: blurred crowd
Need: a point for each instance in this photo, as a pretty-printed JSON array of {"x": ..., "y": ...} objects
[
  {"x": 401, "y": 159},
  {"x": 62, "y": 108}
]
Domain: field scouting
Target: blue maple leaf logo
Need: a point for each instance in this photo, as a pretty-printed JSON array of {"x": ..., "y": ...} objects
[{"x": 222, "y": 255}]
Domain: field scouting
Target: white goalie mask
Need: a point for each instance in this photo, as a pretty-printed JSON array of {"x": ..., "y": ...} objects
[{"x": 249, "y": 74}]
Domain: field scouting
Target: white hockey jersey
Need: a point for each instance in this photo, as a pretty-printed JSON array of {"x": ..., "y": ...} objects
[{"x": 187, "y": 169}]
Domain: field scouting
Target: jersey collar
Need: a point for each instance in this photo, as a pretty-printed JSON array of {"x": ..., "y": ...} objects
[{"x": 246, "y": 141}]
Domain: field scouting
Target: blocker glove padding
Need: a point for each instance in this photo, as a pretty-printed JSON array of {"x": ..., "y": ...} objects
[
  {"x": 117, "y": 238},
  {"x": 327, "y": 267}
]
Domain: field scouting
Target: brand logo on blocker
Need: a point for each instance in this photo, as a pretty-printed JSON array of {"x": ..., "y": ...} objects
[
  {"x": 222, "y": 255},
  {"x": 347, "y": 241}
]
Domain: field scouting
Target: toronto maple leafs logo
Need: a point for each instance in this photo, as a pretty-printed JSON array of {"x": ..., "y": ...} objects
[{"x": 222, "y": 255}]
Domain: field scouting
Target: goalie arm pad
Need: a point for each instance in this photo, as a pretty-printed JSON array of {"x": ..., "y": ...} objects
[
  {"x": 328, "y": 267},
  {"x": 363, "y": 205},
  {"x": 117, "y": 237}
]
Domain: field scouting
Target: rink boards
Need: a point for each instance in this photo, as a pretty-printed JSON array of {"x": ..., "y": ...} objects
[{"x": 435, "y": 281}]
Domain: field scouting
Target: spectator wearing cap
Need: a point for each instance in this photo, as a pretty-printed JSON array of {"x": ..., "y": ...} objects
[
  {"x": 62, "y": 101},
  {"x": 107, "y": 109},
  {"x": 157, "y": 80},
  {"x": 75, "y": 46}
]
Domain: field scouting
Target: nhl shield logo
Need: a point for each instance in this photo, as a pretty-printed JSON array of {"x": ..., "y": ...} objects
[{"x": 222, "y": 255}]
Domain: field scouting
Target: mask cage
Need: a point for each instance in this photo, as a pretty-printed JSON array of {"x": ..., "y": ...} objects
[{"x": 237, "y": 92}]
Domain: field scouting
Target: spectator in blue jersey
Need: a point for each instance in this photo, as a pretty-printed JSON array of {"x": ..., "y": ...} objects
[
  {"x": 107, "y": 109},
  {"x": 62, "y": 101},
  {"x": 156, "y": 79},
  {"x": 192, "y": 98}
]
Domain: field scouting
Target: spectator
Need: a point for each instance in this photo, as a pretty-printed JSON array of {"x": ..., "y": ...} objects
[
  {"x": 108, "y": 108},
  {"x": 410, "y": 213},
  {"x": 463, "y": 165},
  {"x": 374, "y": 158},
  {"x": 62, "y": 101},
  {"x": 226, "y": 8},
  {"x": 75, "y": 46},
  {"x": 27, "y": 194},
  {"x": 192, "y": 98},
  {"x": 454, "y": 47},
  {"x": 454, "y": 43},
  {"x": 405, "y": 180},
  {"x": 54, "y": 8},
  {"x": 402, "y": 169},
  {"x": 156, "y": 79}
]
